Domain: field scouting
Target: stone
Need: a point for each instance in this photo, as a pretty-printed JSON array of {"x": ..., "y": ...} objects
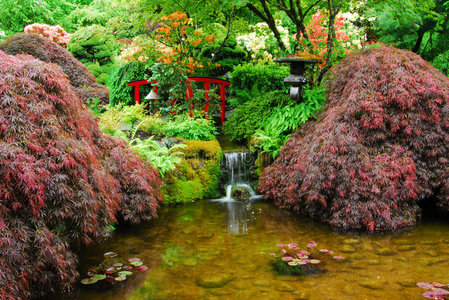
[
  {"x": 214, "y": 280},
  {"x": 407, "y": 283},
  {"x": 403, "y": 242},
  {"x": 385, "y": 252},
  {"x": 431, "y": 253},
  {"x": 347, "y": 249},
  {"x": 351, "y": 241},
  {"x": 372, "y": 284},
  {"x": 284, "y": 287},
  {"x": 406, "y": 248}
]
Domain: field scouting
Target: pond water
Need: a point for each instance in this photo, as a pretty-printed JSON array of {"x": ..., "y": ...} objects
[{"x": 216, "y": 250}]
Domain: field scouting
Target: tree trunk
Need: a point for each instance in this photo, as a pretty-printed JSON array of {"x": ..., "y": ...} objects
[{"x": 269, "y": 19}]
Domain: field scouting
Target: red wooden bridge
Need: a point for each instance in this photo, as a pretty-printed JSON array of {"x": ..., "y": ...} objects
[{"x": 189, "y": 93}]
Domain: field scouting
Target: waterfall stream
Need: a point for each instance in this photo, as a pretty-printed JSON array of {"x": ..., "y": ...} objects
[{"x": 238, "y": 167}]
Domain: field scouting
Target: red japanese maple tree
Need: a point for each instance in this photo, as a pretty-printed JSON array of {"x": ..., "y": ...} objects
[
  {"x": 62, "y": 181},
  {"x": 379, "y": 148}
]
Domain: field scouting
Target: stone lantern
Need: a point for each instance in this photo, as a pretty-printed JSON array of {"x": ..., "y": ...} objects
[{"x": 297, "y": 68}]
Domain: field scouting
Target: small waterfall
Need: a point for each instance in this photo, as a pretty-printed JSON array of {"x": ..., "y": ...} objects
[{"x": 238, "y": 167}]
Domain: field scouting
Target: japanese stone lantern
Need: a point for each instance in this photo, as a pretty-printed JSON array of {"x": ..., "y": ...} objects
[{"x": 297, "y": 68}]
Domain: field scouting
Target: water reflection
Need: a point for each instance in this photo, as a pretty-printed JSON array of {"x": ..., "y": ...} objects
[{"x": 237, "y": 217}]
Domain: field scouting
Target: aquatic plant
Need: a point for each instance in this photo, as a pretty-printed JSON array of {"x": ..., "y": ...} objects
[
  {"x": 438, "y": 291},
  {"x": 379, "y": 147},
  {"x": 114, "y": 270},
  {"x": 293, "y": 260},
  {"x": 63, "y": 182}
]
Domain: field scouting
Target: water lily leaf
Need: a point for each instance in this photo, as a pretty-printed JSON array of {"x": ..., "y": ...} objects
[
  {"x": 117, "y": 264},
  {"x": 120, "y": 278},
  {"x": 314, "y": 261},
  {"x": 110, "y": 254},
  {"x": 137, "y": 263},
  {"x": 134, "y": 259},
  {"x": 99, "y": 277},
  {"x": 293, "y": 263},
  {"x": 89, "y": 281},
  {"x": 111, "y": 270},
  {"x": 141, "y": 268},
  {"x": 124, "y": 273},
  {"x": 127, "y": 268}
]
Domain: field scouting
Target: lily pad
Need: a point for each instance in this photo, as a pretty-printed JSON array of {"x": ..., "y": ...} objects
[
  {"x": 134, "y": 259},
  {"x": 88, "y": 281},
  {"x": 127, "y": 268},
  {"x": 111, "y": 270},
  {"x": 120, "y": 278},
  {"x": 141, "y": 268},
  {"x": 117, "y": 265},
  {"x": 99, "y": 277},
  {"x": 137, "y": 263},
  {"x": 124, "y": 273},
  {"x": 110, "y": 254},
  {"x": 314, "y": 261}
]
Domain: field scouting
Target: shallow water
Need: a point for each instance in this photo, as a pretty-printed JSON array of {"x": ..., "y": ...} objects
[{"x": 227, "y": 245}]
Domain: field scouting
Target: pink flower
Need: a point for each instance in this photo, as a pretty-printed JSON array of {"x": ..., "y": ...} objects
[
  {"x": 280, "y": 245},
  {"x": 425, "y": 285},
  {"x": 292, "y": 246},
  {"x": 287, "y": 258},
  {"x": 338, "y": 257}
]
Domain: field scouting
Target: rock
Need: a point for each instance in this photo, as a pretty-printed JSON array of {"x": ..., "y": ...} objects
[
  {"x": 189, "y": 262},
  {"x": 385, "y": 252},
  {"x": 431, "y": 253},
  {"x": 214, "y": 280},
  {"x": 351, "y": 241},
  {"x": 240, "y": 194},
  {"x": 347, "y": 249},
  {"x": 372, "y": 284},
  {"x": 429, "y": 242},
  {"x": 406, "y": 248},
  {"x": 372, "y": 262},
  {"x": 403, "y": 242},
  {"x": 284, "y": 287},
  {"x": 301, "y": 295},
  {"x": 407, "y": 283}
]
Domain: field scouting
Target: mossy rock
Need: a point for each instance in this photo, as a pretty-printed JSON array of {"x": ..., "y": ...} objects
[{"x": 197, "y": 176}]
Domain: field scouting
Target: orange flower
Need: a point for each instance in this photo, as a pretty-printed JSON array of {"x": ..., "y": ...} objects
[{"x": 175, "y": 24}]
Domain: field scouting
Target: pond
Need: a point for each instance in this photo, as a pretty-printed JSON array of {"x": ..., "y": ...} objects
[{"x": 216, "y": 250}]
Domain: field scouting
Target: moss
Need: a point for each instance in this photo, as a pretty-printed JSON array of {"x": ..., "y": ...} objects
[{"x": 197, "y": 177}]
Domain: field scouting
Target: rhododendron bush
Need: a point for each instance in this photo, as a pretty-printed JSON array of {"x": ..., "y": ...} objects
[
  {"x": 379, "y": 148},
  {"x": 56, "y": 33},
  {"x": 62, "y": 181}
]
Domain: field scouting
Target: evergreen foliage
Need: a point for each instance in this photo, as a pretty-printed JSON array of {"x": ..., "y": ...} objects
[
  {"x": 63, "y": 181},
  {"x": 246, "y": 118},
  {"x": 379, "y": 147}
]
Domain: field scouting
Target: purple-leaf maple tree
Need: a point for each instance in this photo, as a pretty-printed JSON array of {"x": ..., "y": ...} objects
[{"x": 379, "y": 148}]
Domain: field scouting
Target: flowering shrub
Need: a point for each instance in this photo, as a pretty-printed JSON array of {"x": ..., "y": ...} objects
[
  {"x": 348, "y": 36},
  {"x": 182, "y": 42},
  {"x": 438, "y": 291},
  {"x": 56, "y": 33},
  {"x": 260, "y": 42},
  {"x": 379, "y": 146},
  {"x": 293, "y": 260},
  {"x": 63, "y": 181},
  {"x": 137, "y": 50}
]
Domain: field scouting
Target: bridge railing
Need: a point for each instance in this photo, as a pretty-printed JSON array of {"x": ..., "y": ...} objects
[{"x": 189, "y": 93}]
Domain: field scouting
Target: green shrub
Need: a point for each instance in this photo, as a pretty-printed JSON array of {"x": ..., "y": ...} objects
[
  {"x": 198, "y": 175},
  {"x": 250, "y": 116},
  {"x": 94, "y": 47},
  {"x": 115, "y": 118},
  {"x": 119, "y": 92},
  {"x": 263, "y": 77},
  {"x": 190, "y": 128},
  {"x": 284, "y": 120}
]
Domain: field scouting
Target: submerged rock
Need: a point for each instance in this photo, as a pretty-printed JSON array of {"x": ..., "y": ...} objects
[{"x": 214, "y": 279}]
